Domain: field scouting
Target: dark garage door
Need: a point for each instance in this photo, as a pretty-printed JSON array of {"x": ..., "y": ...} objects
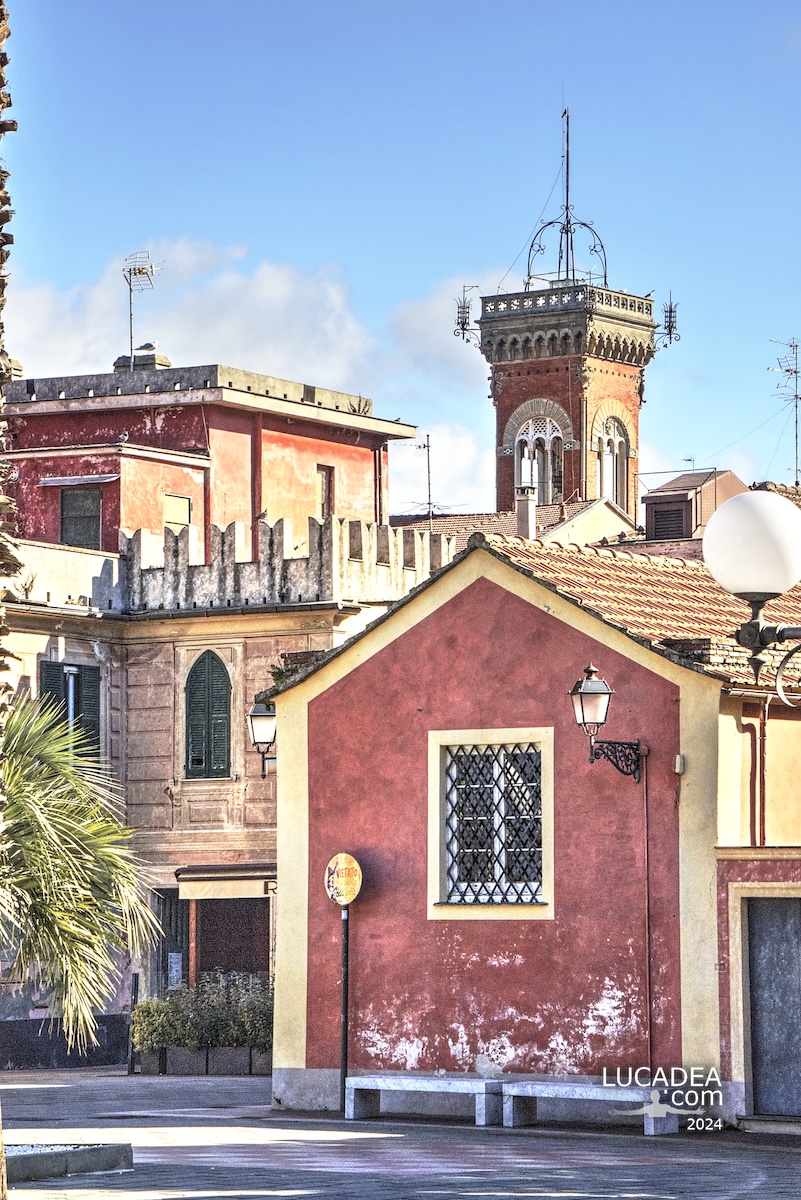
[{"x": 774, "y": 954}]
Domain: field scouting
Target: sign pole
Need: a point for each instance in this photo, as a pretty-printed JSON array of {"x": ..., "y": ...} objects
[
  {"x": 343, "y": 880},
  {"x": 343, "y": 1045}
]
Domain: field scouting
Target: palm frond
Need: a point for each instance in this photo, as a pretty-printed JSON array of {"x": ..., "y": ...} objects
[{"x": 72, "y": 895}]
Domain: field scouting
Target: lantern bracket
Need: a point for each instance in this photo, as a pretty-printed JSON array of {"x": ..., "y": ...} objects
[{"x": 626, "y": 757}]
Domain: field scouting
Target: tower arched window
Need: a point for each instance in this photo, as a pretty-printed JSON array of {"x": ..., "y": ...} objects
[
  {"x": 613, "y": 462},
  {"x": 539, "y": 457},
  {"x": 208, "y": 719}
]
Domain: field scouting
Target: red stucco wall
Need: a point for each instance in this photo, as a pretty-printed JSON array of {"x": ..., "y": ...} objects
[
  {"x": 144, "y": 484},
  {"x": 562, "y": 995},
  {"x": 283, "y": 484}
]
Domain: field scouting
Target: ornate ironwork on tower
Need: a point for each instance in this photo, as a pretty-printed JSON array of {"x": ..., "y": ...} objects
[{"x": 569, "y": 350}]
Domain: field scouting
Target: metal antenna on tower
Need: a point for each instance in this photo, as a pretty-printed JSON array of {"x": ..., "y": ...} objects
[
  {"x": 140, "y": 275},
  {"x": 788, "y": 369},
  {"x": 567, "y": 225}
]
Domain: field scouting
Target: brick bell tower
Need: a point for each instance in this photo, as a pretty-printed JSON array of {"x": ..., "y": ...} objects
[{"x": 568, "y": 357}]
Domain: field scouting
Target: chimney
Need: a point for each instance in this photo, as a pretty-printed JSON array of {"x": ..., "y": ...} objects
[
  {"x": 145, "y": 358},
  {"x": 526, "y": 507}
]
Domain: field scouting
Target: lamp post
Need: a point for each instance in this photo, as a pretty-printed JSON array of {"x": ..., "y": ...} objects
[
  {"x": 262, "y": 723},
  {"x": 591, "y": 697},
  {"x": 752, "y": 547}
]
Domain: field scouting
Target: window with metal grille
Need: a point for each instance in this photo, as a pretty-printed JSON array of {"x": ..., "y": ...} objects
[
  {"x": 80, "y": 517},
  {"x": 77, "y": 689},
  {"x": 493, "y": 824},
  {"x": 208, "y": 719}
]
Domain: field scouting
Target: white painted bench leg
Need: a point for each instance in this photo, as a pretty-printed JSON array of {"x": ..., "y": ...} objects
[
  {"x": 362, "y": 1103},
  {"x": 489, "y": 1108},
  {"x": 519, "y": 1110},
  {"x": 656, "y": 1125}
]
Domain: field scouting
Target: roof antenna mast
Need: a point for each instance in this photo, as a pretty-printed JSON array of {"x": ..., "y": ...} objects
[
  {"x": 140, "y": 275},
  {"x": 788, "y": 367},
  {"x": 567, "y": 225}
]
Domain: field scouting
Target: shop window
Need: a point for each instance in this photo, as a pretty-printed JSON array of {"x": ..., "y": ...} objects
[{"x": 208, "y": 719}]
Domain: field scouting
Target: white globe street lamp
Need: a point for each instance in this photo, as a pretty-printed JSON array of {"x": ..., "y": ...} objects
[{"x": 752, "y": 546}]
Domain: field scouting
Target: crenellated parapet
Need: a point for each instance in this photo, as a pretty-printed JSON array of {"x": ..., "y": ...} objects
[{"x": 341, "y": 561}]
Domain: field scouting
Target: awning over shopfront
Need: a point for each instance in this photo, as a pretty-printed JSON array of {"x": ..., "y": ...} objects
[{"x": 227, "y": 881}]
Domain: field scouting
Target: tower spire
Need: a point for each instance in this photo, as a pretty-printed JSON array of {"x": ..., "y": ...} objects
[{"x": 567, "y": 226}]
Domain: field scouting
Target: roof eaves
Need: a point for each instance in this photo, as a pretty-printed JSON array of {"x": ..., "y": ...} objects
[{"x": 478, "y": 541}]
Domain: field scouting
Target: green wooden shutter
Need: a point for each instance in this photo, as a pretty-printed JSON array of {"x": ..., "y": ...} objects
[
  {"x": 88, "y": 705},
  {"x": 196, "y": 722},
  {"x": 219, "y": 718},
  {"x": 51, "y": 680},
  {"x": 208, "y": 719}
]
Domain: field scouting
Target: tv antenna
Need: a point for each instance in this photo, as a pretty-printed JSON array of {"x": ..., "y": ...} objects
[
  {"x": 788, "y": 384},
  {"x": 140, "y": 274},
  {"x": 426, "y": 447}
]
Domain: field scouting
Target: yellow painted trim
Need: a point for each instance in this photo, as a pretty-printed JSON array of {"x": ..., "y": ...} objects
[
  {"x": 758, "y": 852},
  {"x": 739, "y": 982},
  {"x": 437, "y": 909},
  {"x": 292, "y": 900}
]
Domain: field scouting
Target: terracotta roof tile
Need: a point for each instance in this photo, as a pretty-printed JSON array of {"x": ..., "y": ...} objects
[
  {"x": 673, "y": 603},
  {"x": 461, "y": 525}
]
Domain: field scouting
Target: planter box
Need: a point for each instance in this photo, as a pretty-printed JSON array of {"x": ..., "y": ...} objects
[
  {"x": 150, "y": 1062},
  {"x": 229, "y": 1060},
  {"x": 261, "y": 1062},
  {"x": 186, "y": 1062}
]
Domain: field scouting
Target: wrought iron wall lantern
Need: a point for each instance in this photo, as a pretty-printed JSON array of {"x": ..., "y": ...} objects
[
  {"x": 752, "y": 546},
  {"x": 591, "y": 697},
  {"x": 261, "y": 723}
]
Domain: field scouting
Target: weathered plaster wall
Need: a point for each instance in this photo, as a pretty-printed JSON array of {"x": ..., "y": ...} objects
[
  {"x": 40, "y": 507},
  {"x": 289, "y": 485},
  {"x": 563, "y": 995},
  {"x": 144, "y": 484},
  {"x": 260, "y": 462}
]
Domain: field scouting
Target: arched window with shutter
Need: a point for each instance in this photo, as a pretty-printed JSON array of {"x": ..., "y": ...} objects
[{"x": 208, "y": 719}]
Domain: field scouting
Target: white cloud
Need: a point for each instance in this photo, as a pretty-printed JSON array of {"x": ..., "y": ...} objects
[
  {"x": 462, "y": 472},
  {"x": 207, "y": 307},
  {"x": 276, "y": 319}
]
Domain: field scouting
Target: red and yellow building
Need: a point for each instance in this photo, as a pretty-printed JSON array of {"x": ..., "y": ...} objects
[{"x": 525, "y": 910}]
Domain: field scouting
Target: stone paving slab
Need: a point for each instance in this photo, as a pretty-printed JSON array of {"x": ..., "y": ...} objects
[{"x": 206, "y": 1147}]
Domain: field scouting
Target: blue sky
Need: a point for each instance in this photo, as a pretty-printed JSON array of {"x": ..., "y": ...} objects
[{"x": 320, "y": 178}]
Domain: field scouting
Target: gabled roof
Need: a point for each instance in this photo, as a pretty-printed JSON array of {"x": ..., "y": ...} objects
[
  {"x": 687, "y": 481},
  {"x": 671, "y": 605}
]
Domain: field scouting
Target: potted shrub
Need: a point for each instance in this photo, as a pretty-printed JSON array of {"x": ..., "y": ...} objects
[
  {"x": 167, "y": 1035},
  {"x": 149, "y": 1031},
  {"x": 186, "y": 1048},
  {"x": 256, "y": 1009},
  {"x": 223, "y": 1027},
  {"x": 223, "y": 1031}
]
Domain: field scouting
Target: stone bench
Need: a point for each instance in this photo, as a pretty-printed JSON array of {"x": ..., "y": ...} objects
[
  {"x": 520, "y": 1101},
  {"x": 363, "y": 1093}
]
